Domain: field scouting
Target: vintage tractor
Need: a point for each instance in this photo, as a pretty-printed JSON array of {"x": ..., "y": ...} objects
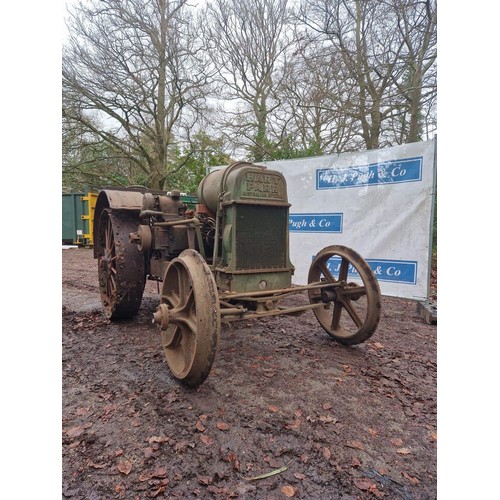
[{"x": 226, "y": 260}]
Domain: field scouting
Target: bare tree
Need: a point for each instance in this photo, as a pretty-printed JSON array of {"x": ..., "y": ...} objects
[
  {"x": 417, "y": 23},
  {"x": 314, "y": 93},
  {"x": 137, "y": 65},
  {"x": 386, "y": 49},
  {"x": 248, "y": 42}
]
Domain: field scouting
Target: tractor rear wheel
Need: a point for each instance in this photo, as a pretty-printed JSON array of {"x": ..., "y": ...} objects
[
  {"x": 352, "y": 311},
  {"x": 189, "y": 318},
  {"x": 121, "y": 267}
]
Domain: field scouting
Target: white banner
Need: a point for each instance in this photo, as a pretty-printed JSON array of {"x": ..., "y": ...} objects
[{"x": 378, "y": 202}]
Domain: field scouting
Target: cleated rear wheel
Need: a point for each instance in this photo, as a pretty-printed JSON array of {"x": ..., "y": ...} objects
[{"x": 121, "y": 267}]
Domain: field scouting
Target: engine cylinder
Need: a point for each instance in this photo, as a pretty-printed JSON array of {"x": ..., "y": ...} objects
[{"x": 214, "y": 184}]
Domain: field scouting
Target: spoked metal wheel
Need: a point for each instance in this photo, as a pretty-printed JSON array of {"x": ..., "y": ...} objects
[
  {"x": 121, "y": 266},
  {"x": 189, "y": 317},
  {"x": 352, "y": 309}
]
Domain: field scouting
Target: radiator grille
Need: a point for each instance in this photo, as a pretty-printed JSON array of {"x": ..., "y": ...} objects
[{"x": 261, "y": 237}]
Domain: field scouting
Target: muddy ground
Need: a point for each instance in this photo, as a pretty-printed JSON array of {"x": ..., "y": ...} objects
[{"x": 330, "y": 421}]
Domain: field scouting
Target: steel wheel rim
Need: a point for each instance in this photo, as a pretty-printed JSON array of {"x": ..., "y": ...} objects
[
  {"x": 179, "y": 339},
  {"x": 108, "y": 260},
  {"x": 121, "y": 269},
  {"x": 353, "y": 314},
  {"x": 190, "y": 339}
]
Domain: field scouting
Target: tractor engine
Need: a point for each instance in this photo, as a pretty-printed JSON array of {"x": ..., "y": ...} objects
[
  {"x": 250, "y": 206},
  {"x": 240, "y": 226}
]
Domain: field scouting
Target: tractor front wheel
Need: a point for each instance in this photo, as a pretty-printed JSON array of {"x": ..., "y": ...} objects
[
  {"x": 351, "y": 309},
  {"x": 189, "y": 318}
]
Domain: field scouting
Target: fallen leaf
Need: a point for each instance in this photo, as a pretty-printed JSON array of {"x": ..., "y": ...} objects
[
  {"x": 397, "y": 441},
  {"x": 96, "y": 466},
  {"x": 413, "y": 480},
  {"x": 299, "y": 475},
  {"x": 203, "y": 417},
  {"x": 403, "y": 451},
  {"x": 200, "y": 427},
  {"x": 288, "y": 491},
  {"x": 355, "y": 462},
  {"x": 118, "y": 453},
  {"x": 109, "y": 408},
  {"x": 373, "y": 489},
  {"x": 75, "y": 431},
  {"x": 304, "y": 458},
  {"x": 83, "y": 412},
  {"x": 363, "y": 483},
  {"x": 217, "y": 491},
  {"x": 181, "y": 445},
  {"x": 378, "y": 345},
  {"x": 158, "y": 439},
  {"x": 434, "y": 436},
  {"x": 327, "y": 453},
  {"x": 206, "y": 439},
  {"x": 206, "y": 480},
  {"x": 172, "y": 397},
  {"x": 355, "y": 444},
  {"x": 148, "y": 452},
  {"x": 155, "y": 493},
  {"x": 222, "y": 426},
  {"x": 293, "y": 425},
  {"x": 327, "y": 419},
  {"x": 120, "y": 490},
  {"x": 145, "y": 476},
  {"x": 124, "y": 466},
  {"x": 273, "y": 462},
  {"x": 233, "y": 459},
  {"x": 373, "y": 432},
  {"x": 159, "y": 472},
  {"x": 327, "y": 406},
  {"x": 74, "y": 445},
  {"x": 273, "y": 408}
]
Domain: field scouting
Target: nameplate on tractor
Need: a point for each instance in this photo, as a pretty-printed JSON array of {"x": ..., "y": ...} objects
[{"x": 262, "y": 185}]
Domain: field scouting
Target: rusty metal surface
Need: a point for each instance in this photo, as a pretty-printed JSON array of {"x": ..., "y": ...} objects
[
  {"x": 279, "y": 293},
  {"x": 260, "y": 304},
  {"x": 116, "y": 199},
  {"x": 236, "y": 314},
  {"x": 350, "y": 312},
  {"x": 189, "y": 318},
  {"x": 123, "y": 200},
  {"x": 121, "y": 268}
]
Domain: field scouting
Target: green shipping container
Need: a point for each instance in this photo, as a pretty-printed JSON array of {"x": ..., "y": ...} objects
[
  {"x": 72, "y": 224},
  {"x": 189, "y": 200}
]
